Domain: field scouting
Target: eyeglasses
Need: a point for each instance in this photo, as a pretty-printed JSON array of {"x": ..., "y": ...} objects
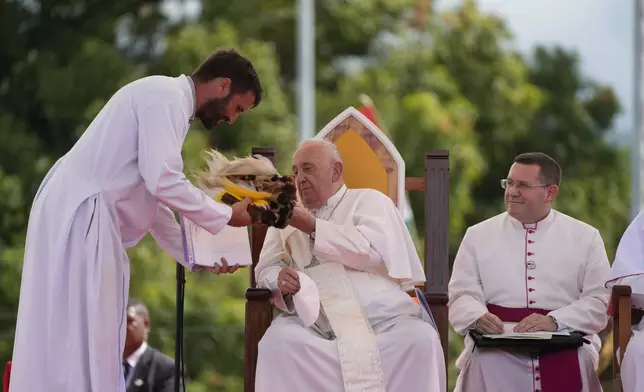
[{"x": 520, "y": 184}]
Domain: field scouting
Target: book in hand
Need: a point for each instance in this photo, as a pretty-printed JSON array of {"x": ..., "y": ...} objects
[
  {"x": 203, "y": 248},
  {"x": 532, "y": 342},
  {"x": 509, "y": 333}
]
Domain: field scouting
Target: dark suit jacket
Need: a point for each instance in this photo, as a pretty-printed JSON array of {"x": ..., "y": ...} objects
[{"x": 154, "y": 372}]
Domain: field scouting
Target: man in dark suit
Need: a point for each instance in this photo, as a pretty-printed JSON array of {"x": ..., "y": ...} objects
[{"x": 146, "y": 369}]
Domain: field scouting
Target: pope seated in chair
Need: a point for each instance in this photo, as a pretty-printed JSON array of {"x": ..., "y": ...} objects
[{"x": 339, "y": 273}]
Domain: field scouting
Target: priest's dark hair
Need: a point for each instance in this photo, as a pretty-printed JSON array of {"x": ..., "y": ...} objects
[
  {"x": 549, "y": 169},
  {"x": 230, "y": 64}
]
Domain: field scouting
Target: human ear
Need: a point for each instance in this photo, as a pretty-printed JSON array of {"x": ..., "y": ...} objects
[
  {"x": 223, "y": 87},
  {"x": 337, "y": 171},
  {"x": 552, "y": 193}
]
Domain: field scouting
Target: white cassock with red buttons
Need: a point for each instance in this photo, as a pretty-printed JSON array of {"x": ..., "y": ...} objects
[{"x": 557, "y": 266}]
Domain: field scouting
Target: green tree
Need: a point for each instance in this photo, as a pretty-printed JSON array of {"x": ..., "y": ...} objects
[{"x": 573, "y": 125}]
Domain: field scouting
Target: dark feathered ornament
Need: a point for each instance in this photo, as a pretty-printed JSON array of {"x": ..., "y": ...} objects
[{"x": 229, "y": 181}]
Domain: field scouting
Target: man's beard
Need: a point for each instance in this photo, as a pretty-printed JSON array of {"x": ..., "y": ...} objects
[{"x": 213, "y": 111}]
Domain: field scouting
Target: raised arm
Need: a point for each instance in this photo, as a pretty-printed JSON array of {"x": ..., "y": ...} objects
[
  {"x": 466, "y": 299},
  {"x": 378, "y": 235},
  {"x": 161, "y": 135}
]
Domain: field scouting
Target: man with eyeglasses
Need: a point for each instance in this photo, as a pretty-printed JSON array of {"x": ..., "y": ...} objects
[{"x": 530, "y": 269}]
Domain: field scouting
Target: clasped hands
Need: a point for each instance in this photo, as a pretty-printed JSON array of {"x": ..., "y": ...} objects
[
  {"x": 491, "y": 324},
  {"x": 300, "y": 219}
]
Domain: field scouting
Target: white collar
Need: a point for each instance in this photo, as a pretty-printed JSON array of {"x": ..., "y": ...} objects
[
  {"x": 331, "y": 202},
  {"x": 133, "y": 359},
  {"x": 542, "y": 224}
]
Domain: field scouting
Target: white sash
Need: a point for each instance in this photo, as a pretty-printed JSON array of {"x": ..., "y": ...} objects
[{"x": 357, "y": 344}]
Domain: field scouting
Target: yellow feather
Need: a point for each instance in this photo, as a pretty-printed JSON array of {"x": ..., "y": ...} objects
[
  {"x": 236, "y": 194},
  {"x": 243, "y": 192}
]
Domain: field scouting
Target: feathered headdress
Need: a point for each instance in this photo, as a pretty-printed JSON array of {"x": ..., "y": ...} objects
[{"x": 229, "y": 181}]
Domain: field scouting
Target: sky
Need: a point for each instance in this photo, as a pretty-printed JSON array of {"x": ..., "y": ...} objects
[{"x": 601, "y": 31}]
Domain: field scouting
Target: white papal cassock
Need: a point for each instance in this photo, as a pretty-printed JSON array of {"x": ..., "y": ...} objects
[
  {"x": 114, "y": 186},
  {"x": 628, "y": 269},
  {"x": 370, "y": 335},
  {"x": 558, "y": 265}
]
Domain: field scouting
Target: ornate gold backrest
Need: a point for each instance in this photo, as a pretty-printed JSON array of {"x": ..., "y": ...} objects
[{"x": 370, "y": 158}]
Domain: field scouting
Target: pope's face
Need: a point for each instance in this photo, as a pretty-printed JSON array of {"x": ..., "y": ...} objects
[
  {"x": 314, "y": 175},
  {"x": 527, "y": 199}
]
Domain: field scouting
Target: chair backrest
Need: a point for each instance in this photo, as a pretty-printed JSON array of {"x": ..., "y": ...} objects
[{"x": 370, "y": 158}]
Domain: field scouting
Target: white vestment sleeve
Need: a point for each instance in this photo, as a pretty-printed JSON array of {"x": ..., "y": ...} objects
[
  {"x": 161, "y": 136},
  {"x": 272, "y": 259},
  {"x": 346, "y": 244},
  {"x": 629, "y": 258},
  {"x": 167, "y": 233},
  {"x": 378, "y": 235},
  {"x": 588, "y": 313},
  {"x": 466, "y": 299}
]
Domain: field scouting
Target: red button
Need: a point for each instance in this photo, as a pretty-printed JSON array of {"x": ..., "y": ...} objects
[
  {"x": 530, "y": 289},
  {"x": 537, "y": 368},
  {"x": 530, "y": 253},
  {"x": 531, "y": 302},
  {"x": 537, "y": 378},
  {"x": 531, "y": 231},
  {"x": 530, "y": 242},
  {"x": 530, "y": 277}
]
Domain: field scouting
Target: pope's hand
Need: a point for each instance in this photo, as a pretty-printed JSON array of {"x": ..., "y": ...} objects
[
  {"x": 288, "y": 281},
  {"x": 224, "y": 268},
  {"x": 489, "y": 324},
  {"x": 240, "y": 216},
  {"x": 536, "y": 323}
]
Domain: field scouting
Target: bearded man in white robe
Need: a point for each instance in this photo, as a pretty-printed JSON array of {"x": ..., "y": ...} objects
[
  {"x": 117, "y": 183},
  {"x": 529, "y": 269},
  {"x": 628, "y": 270},
  {"x": 353, "y": 243}
]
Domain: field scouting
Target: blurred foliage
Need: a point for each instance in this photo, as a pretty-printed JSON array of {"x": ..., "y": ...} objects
[{"x": 442, "y": 81}]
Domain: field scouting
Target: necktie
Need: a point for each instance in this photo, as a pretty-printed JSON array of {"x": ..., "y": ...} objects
[{"x": 126, "y": 369}]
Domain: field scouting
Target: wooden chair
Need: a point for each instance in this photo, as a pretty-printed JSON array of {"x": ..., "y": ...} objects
[
  {"x": 371, "y": 161},
  {"x": 624, "y": 317}
]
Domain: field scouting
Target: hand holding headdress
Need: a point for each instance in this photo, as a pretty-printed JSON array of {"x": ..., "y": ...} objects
[{"x": 229, "y": 181}]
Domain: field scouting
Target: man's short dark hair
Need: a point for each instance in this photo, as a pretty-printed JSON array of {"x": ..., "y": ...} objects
[
  {"x": 139, "y": 308},
  {"x": 549, "y": 169},
  {"x": 232, "y": 65}
]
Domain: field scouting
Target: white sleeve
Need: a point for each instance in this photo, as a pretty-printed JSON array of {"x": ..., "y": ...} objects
[
  {"x": 167, "y": 233},
  {"x": 589, "y": 313},
  {"x": 272, "y": 259},
  {"x": 161, "y": 136},
  {"x": 378, "y": 235},
  {"x": 466, "y": 302}
]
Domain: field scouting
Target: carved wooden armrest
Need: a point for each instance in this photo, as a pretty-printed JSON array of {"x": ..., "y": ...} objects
[{"x": 256, "y": 294}]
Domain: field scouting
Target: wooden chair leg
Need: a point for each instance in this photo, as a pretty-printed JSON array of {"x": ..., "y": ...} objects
[
  {"x": 621, "y": 304},
  {"x": 259, "y": 314}
]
